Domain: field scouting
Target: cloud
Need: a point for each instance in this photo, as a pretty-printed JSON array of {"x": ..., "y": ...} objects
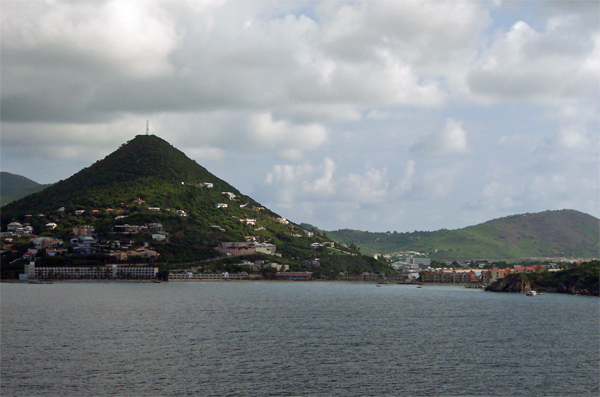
[
  {"x": 526, "y": 64},
  {"x": 125, "y": 37},
  {"x": 206, "y": 153},
  {"x": 405, "y": 182},
  {"x": 266, "y": 133},
  {"x": 371, "y": 187},
  {"x": 426, "y": 34},
  {"x": 364, "y": 114},
  {"x": 304, "y": 182},
  {"x": 496, "y": 195},
  {"x": 106, "y": 58},
  {"x": 570, "y": 138},
  {"x": 439, "y": 182},
  {"x": 451, "y": 139}
]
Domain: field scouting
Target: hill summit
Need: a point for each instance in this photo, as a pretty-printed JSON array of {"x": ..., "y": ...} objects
[
  {"x": 151, "y": 195},
  {"x": 146, "y": 168}
]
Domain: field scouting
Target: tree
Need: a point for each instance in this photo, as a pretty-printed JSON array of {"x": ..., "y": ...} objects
[{"x": 269, "y": 272}]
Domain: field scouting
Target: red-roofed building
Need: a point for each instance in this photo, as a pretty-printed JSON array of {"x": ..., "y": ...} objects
[
  {"x": 29, "y": 256},
  {"x": 490, "y": 276},
  {"x": 526, "y": 269},
  {"x": 450, "y": 276},
  {"x": 294, "y": 275}
]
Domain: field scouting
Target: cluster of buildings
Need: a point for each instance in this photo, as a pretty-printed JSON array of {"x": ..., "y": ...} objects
[
  {"x": 410, "y": 261},
  {"x": 18, "y": 229},
  {"x": 84, "y": 242},
  {"x": 450, "y": 276},
  {"x": 246, "y": 248},
  {"x": 191, "y": 276},
  {"x": 495, "y": 274},
  {"x": 470, "y": 276}
]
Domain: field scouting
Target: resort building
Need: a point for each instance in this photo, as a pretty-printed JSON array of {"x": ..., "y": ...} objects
[
  {"x": 207, "y": 276},
  {"x": 450, "y": 276},
  {"x": 490, "y": 276},
  {"x": 294, "y": 276},
  {"x": 90, "y": 272}
]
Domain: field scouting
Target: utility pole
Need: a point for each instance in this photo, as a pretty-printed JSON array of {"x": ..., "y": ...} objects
[{"x": 147, "y": 128}]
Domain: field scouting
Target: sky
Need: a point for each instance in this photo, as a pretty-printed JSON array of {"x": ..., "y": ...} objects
[{"x": 370, "y": 115}]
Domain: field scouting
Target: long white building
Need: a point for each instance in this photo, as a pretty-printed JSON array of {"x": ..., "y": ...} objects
[{"x": 86, "y": 272}]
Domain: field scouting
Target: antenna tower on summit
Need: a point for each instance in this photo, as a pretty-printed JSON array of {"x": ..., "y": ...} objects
[{"x": 147, "y": 128}]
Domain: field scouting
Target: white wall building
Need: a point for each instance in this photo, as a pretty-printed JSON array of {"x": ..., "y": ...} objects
[{"x": 108, "y": 271}]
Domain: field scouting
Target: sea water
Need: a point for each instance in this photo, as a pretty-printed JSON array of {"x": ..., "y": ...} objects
[{"x": 294, "y": 339}]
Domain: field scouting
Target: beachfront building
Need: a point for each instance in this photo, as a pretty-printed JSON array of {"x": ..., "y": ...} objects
[
  {"x": 490, "y": 276},
  {"x": 91, "y": 272},
  {"x": 294, "y": 276},
  {"x": 450, "y": 276},
  {"x": 207, "y": 276}
]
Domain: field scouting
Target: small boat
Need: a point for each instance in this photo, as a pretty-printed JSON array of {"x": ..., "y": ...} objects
[
  {"x": 418, "y": 286},
  {"x": 531, "y": 293}
]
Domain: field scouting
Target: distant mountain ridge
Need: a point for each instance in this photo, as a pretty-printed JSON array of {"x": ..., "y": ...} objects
[
  {"x": 14, "y": 187},
  {"x": 563, "y": 233}
]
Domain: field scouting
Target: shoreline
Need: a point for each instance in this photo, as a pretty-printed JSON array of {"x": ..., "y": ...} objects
[{"x": 50, "y": 281}]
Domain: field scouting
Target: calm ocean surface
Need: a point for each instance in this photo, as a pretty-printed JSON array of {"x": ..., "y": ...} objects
[{"x": 294, "y": 339}]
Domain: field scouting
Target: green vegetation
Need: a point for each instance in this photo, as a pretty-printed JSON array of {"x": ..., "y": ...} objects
[
  {"x": 565, "y": 233},
  {"x": 13, "y": 187},
  {"x": 148, "y": 172},
  {"x": 580, "y": 279}
]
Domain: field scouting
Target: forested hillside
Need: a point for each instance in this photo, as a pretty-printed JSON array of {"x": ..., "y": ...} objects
[
  {"x": 565, "y": 233},
  {"x": 149, "y": 181},
  {"x": 13, "y": 187}
]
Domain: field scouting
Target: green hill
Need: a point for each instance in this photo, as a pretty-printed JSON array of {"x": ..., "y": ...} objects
[
  {"x": 565, "y": 233},
  {"x": 148, "y": 181},
  {"x": 14, "y": 187}
]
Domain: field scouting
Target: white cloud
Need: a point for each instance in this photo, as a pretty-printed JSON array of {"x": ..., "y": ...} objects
[
  {"x": 128, "y": 37},
  {"x": 429, "y": 96},
  {"x": 371, "y": 187},
  {"x": 576, "y": 130},
  {"x": 451, "y": 139},
  {"x": 206, "y": 153},
  {"x": 291, "y": 140},
  {"x": 496, "y": 195},
  {"x": 570, "y": 138},
  {"x": 559, "y": 62},
  {"x": 305, "y": 182},
  {"x": 426, "y": 34},
  {"x": 302, "y": 182},
  {"x": 405, "y": 183},
  {"x": 439, "y": 182}
]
